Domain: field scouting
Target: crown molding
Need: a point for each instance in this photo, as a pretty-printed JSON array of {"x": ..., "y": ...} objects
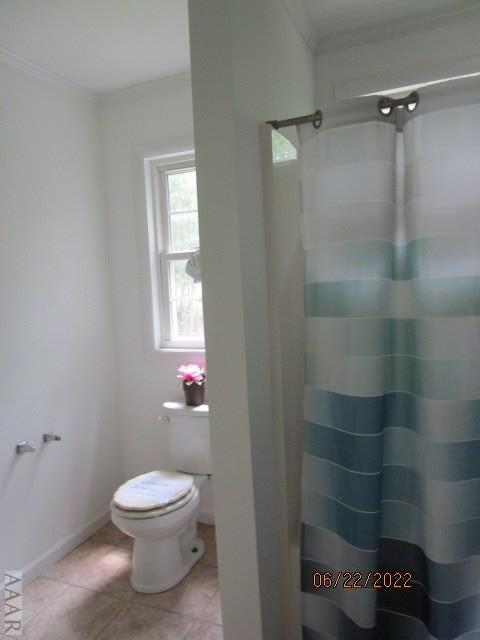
[
  {"x": 135, "y": 91},
  {"x": 298, "y": 14},
  {"x": 36, "y": 71},
  {"x": 144, "y": 89}
]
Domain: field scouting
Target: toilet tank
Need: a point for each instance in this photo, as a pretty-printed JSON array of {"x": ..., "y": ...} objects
[{"x": 189, "y": 436}]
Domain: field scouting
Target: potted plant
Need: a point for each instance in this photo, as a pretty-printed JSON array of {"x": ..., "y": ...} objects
[{"x": 193, "y": 381}]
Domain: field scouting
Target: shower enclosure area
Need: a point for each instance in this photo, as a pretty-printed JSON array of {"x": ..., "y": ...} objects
[{"x": 373, "y": 238}]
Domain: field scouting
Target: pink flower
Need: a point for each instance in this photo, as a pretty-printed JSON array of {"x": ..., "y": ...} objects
[{"x": 191, "y": 373}]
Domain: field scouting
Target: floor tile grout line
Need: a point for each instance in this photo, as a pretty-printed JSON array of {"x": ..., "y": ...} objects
[
  {"x": 191, "y": 619},
  {"x": 162, "y": 609},
  {"x": 46, "y": 604},
  {"x": 211, "y": 624},
  {"x": 187, "y": 633},
  {"x": 42, "y": 575},
  {"x": 211, "y": 599},
  {"x": 152, "y": 606},
  {"x": 91, "y": 590},
  {"x": 108, "y": 624},
  {"x": 175, "y": 611},
  {"x": 131, "y": 599},
  {"x": 67, "y": 584},
  {"x": 206, "y": 607}
]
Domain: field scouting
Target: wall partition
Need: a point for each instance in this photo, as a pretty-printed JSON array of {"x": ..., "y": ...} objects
[{"x": 285, "y": 272}]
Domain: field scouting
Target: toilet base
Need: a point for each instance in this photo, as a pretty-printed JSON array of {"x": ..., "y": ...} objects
[{"x": 159, "y": 565}]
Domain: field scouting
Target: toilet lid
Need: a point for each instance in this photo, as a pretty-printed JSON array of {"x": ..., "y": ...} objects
[
  {"x": 155, "y": 513},
  {"x": 153, "y": 490}
]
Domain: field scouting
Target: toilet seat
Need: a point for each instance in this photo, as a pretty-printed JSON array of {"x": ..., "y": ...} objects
[
  {"x": 154, "y": 491},
  {"x": 154, "y": 513}
]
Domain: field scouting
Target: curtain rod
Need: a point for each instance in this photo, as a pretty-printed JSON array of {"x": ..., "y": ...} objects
[{"x": 315, "y": 118}]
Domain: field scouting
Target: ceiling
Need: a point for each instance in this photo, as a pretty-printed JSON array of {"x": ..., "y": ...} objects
[
  {"x": 100, "y": 45},
  {"x": 103, "y": 45},
  {"x": 330, "y": 23}
]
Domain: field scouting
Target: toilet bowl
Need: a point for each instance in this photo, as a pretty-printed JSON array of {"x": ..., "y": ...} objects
[{"x": 159, "y": 510}]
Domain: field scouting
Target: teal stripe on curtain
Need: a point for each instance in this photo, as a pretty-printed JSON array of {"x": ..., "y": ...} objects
[
  {"x": 387, "y": 299},
  {"x": 426, "y": 257},
  {"x": 434, "y": 419},
  {"x": 449, "y": 461},
  {"x": 391, "y": 469}
]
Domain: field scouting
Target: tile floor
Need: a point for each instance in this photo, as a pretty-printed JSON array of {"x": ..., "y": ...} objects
[{"x": 87, "y": 595}]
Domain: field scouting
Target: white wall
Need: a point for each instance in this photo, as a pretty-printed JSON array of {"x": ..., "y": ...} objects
[
  {"x": 249, "y": 64},
  {"x": 442, "y": 50},
  {"x": 56, "y": 327},
  {"x": 142, "y": 121}
]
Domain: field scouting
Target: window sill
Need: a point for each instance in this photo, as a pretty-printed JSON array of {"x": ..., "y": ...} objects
[{"x": 180, "y": 350}]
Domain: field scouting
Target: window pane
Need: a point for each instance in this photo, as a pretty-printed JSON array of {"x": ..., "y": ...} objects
[
  {"x": 282, "y": 149},
  {"x": 182, "y": 191},
  {"x": 184, "y": 232},
  {"x": 185, "y": 303}
]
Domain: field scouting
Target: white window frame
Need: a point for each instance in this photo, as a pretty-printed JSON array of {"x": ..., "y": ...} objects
[{"x": 160, "y": 229}]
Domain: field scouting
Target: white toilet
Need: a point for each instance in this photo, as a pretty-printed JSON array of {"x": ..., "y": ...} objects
[{"x": 159, "y": 509}]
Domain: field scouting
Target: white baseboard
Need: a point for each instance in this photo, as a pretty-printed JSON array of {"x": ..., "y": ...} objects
[{"x": 60, "y": 549}]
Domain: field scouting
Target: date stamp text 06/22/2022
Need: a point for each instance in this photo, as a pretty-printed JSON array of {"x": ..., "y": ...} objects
[{"x": 361, "y": 580}]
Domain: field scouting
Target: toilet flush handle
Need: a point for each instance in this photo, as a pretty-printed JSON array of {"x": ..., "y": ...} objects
[{"x": 164, "y": 418}]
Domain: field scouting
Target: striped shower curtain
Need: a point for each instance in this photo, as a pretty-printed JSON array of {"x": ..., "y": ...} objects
[{"x": 391, "y": 468}]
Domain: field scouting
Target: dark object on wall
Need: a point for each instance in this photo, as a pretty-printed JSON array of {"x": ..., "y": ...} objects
[{"x": 386, "y": 105}]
